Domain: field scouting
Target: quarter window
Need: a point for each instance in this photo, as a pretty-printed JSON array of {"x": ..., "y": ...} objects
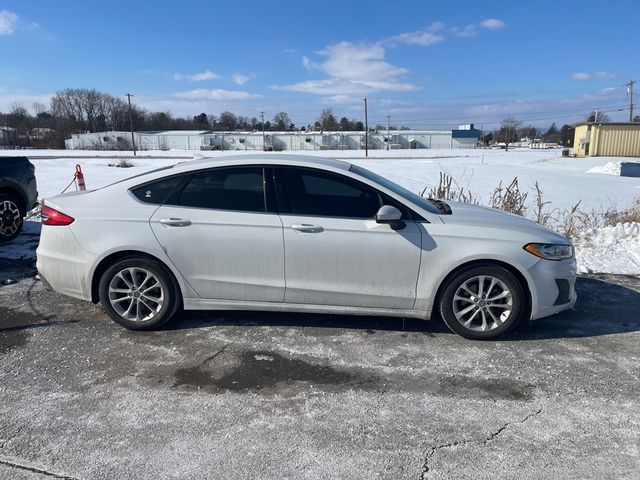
[
  {"x": 240, "y": 189},
  {"x": 156, "y": 192},
  {"x": 312, "y": 192}
]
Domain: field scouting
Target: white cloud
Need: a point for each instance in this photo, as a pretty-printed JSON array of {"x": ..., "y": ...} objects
[
  {"x": 240, "y": 79},
  {"x": 418, "y": 38},
  {"x": 471, "y": 30},
  {"x": 359, "y": 62},
  {"x": 340, "y": 99},
  {"x": 216, "y": 94},
  {"x": 197, "y": 77},
  {"x": 360, "y": 68},
  {"x": 308, "y": 64},
  {"x": 7, "y": 22},
  {"x": 426, "y": 37},
  {"x": 492, "y": 24},
  {"x": 592, "y": 75},
  {"x": 468, "y": 31},
  {"x": 353, "y": 68}
]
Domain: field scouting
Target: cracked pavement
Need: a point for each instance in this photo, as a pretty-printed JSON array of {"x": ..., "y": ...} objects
[{"x": 250, "y": 394}]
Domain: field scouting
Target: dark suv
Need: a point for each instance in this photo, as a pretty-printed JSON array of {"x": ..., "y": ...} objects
[{"x": 18, "y": 194}]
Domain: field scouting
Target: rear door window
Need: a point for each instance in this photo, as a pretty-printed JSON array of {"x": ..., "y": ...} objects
[{"x": 239, "y": 189}]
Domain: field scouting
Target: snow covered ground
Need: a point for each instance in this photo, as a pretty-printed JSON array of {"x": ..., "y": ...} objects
[{"x": 595, "y": 182}]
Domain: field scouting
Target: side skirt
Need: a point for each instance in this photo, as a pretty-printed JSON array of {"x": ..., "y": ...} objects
[{"x": 206, "y": 304}]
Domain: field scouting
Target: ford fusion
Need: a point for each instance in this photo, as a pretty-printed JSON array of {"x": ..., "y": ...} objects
[{"x": 291, "y": 233}]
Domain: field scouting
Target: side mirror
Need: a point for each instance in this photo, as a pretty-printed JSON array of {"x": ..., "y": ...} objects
[{"x": 390, "y": 215}]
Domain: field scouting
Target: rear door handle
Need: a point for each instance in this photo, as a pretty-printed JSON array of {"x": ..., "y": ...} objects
[
  {"x": 307, "y": 228},
  {"x": 175, "y": 222}
]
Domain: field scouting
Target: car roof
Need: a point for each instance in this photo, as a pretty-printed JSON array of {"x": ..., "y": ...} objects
[{"x": 263, "y": 158}]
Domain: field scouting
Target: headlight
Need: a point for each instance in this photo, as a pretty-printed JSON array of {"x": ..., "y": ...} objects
[{"x": 550, "y": 251}]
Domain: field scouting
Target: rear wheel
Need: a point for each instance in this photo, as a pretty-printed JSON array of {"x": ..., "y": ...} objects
[
  {"x": 139, "y": 293},
  {"x": 482, "y": 302},
  {"x": 11, "y": 217}
]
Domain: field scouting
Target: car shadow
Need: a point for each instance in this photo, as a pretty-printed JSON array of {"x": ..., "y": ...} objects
[
  {"x": 603, "y": 308},
  {"x": 17, "y": 257}
]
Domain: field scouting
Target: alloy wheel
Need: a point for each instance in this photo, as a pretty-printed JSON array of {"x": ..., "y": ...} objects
[
  {"x": 10, "y": 218},
  {"x": 482, "y": 303},
  {"x": 136, "y": 294}
]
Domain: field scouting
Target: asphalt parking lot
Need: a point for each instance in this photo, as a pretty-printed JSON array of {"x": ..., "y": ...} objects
[{"x": 274, "y": 396}]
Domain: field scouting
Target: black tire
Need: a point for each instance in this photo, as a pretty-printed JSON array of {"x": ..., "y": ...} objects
[
  {"x": 12, "y": 215},
  {"x": 499, "y": 315},
  {"x": 166, "y": 289}
]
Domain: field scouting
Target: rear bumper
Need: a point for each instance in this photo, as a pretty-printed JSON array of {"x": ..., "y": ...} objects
[
  {"x": 62, "y": 263},
  {"x": 555, "y": 287}
]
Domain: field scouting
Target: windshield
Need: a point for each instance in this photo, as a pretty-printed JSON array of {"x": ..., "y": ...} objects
[{"x": 397, "y": 189}]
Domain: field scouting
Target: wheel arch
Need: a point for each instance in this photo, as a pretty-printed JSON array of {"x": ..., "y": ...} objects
[
  {"x": 110, "y": 259},
  {"x": 526, "y": 286}
]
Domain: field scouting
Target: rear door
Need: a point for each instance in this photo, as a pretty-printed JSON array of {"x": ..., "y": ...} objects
[
  {"x": 335, "y": 252},
  {"x": 218, "y": 231}
]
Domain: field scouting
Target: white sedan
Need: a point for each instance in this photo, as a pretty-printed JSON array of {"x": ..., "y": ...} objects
[{"x": 292, "y": 233}]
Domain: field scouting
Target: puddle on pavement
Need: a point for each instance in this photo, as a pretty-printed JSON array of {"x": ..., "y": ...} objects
[
  {"x": 258, "y": 370},
  {"x": 472, "y": 387},
  {"x": 13, "y": 327}
]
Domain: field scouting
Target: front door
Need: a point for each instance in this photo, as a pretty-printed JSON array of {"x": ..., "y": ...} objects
[{"x": 335, "y": 252}]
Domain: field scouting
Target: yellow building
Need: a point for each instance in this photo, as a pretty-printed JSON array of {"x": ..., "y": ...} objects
[{"x": 607, "y": 140}]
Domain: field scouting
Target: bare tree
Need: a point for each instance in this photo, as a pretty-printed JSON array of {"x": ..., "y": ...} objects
[
  {"x": 281, "y": 121},
  {"x": 596, "y": 116},
  {"x": 327, "y": 120},
  {"x": 228, "y": 121},
  {"x": 508, "y": 131},
  {"x": 94, "y": 111}
]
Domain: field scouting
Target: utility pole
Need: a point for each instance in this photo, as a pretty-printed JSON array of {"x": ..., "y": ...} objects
[
  {"x": 264, "y": 146},
  {"x": 595, "y": 119},
  {"x": 630, "y": 93},
  {"x": 388, "y": 132},
  {"x": 133, "y": 140},
  {"x": 366, "y": 129}
]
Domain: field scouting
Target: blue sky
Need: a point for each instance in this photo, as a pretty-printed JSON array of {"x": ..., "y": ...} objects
[{"x": 427, "y": 64}]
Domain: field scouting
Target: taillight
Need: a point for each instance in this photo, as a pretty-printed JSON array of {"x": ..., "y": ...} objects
[{"x": 49, "y": 216}]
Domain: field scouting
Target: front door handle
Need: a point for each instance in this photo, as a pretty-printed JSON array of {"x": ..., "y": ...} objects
[
  {"x": 175, "y": 222},
  {"x": 307, "y": 228}
]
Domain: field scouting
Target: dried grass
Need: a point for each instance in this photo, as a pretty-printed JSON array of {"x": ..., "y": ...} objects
[{"x": 569, "y": 222}]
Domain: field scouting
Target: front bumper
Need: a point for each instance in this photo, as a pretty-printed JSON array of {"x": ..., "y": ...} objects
[{"x": 554, "y": 285}]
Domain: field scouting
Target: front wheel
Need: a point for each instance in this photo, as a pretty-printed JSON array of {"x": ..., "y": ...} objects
[
  {"x": 139, "y": 293},
  {"x": 482, "y": 302},
  {"x": 11, "y": 217}
]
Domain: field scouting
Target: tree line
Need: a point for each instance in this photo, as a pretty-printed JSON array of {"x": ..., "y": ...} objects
[
  {"x": 512, "y": 130},
  {"x": 79, "y": 110}
]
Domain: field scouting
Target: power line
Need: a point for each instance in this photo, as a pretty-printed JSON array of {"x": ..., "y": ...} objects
[{"x": 491, "y": 119}]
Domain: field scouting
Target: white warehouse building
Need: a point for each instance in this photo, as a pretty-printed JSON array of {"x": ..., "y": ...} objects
[{"x": 464, "y": 137}]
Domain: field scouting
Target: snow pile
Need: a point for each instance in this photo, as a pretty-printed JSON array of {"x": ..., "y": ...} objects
[
  {"x": 609, "y": 249},
  {"x": 610, "y": 168}
]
